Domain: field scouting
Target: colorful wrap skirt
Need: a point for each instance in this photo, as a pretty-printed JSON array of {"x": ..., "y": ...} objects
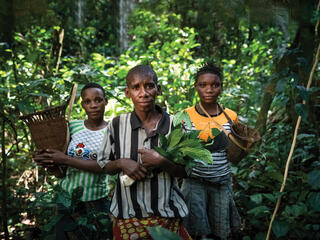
[{"x": 134, "y": 228}]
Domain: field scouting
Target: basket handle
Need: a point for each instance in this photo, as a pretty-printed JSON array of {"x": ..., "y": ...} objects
[
  {"x": 73, "y": 96},
  {"x": 233, "y": 139}
]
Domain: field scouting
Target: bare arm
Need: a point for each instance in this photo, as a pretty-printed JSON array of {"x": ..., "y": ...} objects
[
  {"x": 51, "y": 156},
  {"x": 151, "y": 158}
]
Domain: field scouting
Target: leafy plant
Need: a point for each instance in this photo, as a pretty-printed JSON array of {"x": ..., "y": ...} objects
[{"x": 184, "y": 147}]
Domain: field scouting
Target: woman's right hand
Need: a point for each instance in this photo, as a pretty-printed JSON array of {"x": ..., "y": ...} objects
[{"x": 49, "y": 157}]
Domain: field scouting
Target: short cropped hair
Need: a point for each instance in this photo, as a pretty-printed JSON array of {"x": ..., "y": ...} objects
[
  {"x": 209, "y": 68},
  {"x": 93, "y": 85},
  {"x": 144, "y": 70}
]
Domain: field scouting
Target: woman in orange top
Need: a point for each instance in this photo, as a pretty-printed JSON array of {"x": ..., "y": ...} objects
[{"x": 208, "y": 190}]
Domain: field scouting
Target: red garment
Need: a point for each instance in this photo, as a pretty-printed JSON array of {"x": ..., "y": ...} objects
[{"x": 134, "y": 228}]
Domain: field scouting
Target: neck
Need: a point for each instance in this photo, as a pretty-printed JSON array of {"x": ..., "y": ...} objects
[
  {"x": 146, "y": 116},
  {"x": 211, "y": 108},
  {"x": 149, "y": 119},
  {"x": 95, "y": 124}
]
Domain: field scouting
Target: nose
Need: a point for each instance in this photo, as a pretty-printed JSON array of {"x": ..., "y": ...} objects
[
  {"x": 93, "y": 104},
  {"x": 142, "y": 91},
  {"x": 209, "y": 88}
]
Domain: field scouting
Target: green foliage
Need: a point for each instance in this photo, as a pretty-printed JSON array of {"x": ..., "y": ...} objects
[
  {"x": 159, "y": 233},
  {"x": 183, "y": 146},
  {"x": 175, "y": 37}
]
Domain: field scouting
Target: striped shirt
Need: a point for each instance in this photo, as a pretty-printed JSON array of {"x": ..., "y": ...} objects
[
  {"x": 220, "y": 166},
  {"x": 85, "y": 144},
  {"x": 155, "y": 195}
]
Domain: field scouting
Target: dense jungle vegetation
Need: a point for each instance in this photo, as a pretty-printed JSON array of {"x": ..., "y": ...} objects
[{"x": 267, "y": 49}]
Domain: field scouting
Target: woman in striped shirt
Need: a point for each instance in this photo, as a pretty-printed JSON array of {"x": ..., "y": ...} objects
[{"x": 86, "y": 137}]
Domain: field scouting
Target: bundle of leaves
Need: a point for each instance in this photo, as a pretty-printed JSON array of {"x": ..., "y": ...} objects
[{"x": 183, "y": 145}]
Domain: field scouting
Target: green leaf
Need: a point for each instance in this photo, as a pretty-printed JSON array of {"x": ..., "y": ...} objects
[
  {"x": 159, "y": 233},
  {"x": 175, "y": 137},
  {"x": 64, "y": 198},
  {"x": 296, "y": 210},
  {"x": 259, "y": 211},
  {"x": 201, "y": 154},
  {"x": 314, "y": 179},
  {"x": 194, "y": 143},
  {"x": 303, "y": 92},
  {"x": 270, "y": 196},
  {"x": 314, "y": 200},
  {"x": 280, "y": 228},
  {"x": 182, "y": 117},
  {"x": 257, "y": 198},
  {"x": 301, "y": 110},
  {"x": 215, "y": 132},
  {"x": 163, "y": 141},
  {"x": 53, "y": 221},
  {"x": 161, "y": 151}
]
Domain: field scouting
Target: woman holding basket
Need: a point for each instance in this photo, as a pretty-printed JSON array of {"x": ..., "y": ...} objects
[{"x": 86, "y": 136}]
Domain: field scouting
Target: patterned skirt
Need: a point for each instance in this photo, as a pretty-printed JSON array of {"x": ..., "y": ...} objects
[{"x": 135, "y": 228}]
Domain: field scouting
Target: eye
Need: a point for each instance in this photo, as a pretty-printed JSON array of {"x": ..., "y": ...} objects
[
  {"x": 202, "y": 85},
  {"x": 135, "y": 87},
  {"x": 216, "y": 85},
  {"x": 98, "y": 100},
  {"x": 150, "y": 86},
  {"x": 86, "y": 102}
]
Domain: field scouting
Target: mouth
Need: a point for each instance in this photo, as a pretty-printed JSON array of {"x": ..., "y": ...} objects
[
  {"x": 145, "y": 102},
  {"x": 209, "y": 97},
  {"x": 94, "y": 113}
]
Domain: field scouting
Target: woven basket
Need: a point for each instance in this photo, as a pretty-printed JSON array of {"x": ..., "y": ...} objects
[
  {"x": 242, "y": 137},
  {"x": 48, "y": 128}
]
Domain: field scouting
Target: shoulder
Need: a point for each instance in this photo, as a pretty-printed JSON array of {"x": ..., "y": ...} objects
[
  {"x": 232, "y": 114},
  {"x": 189, "y": 109},
  {"x": 76, "y": 126}
]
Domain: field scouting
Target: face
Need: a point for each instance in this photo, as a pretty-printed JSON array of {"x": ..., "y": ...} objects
[
  {"x": 208, "y": 87},
  {"x": 143, "y": 92},
  {"x": 93, "y": 102}
]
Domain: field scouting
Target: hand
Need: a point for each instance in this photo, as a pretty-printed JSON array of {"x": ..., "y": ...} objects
[
  {"x": 133, "y": 169},
  {"x": 50, "y": 157},
  {"x": 151, "y": 158}
]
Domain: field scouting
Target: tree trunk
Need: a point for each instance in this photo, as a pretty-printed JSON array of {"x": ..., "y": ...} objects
[
  {"x": 4, "y": 179},
  {"x": 125, "y": 8},
  {"x": 298, "y": 59}
]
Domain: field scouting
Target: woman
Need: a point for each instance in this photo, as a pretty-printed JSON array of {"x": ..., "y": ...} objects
[
  {"x": 208, "y": 191},
  {"x": 86, "y": 137}
]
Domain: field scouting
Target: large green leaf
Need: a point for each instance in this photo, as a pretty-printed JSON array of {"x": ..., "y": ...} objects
[
  {"x": 256, "y": 198},
  {"x": 314, "y": 179},
  {"x": 314, "y": 200},
  {"x": 159, "y": 233},
  {"x": 280, "y": 228},
  {"x": 182, "y": 117},
  {"x": 175, "y": 137},
  {"x": 201, "y": 154},
  {"x": 259, "y": 211},
  {"x": 53, "y": 221}
]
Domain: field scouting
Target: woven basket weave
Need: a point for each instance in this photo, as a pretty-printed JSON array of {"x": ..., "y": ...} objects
[
  {"x": 242, "y": 137},
  {"x": 48, "y": 128}
]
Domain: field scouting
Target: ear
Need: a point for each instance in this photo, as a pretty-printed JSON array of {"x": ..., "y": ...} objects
[
  {"x": 159, "y": 91},
  {"x": 82, "y": 104},
  {"x": 106, "y": 101},
  {"x": 126, "y": 92}
]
